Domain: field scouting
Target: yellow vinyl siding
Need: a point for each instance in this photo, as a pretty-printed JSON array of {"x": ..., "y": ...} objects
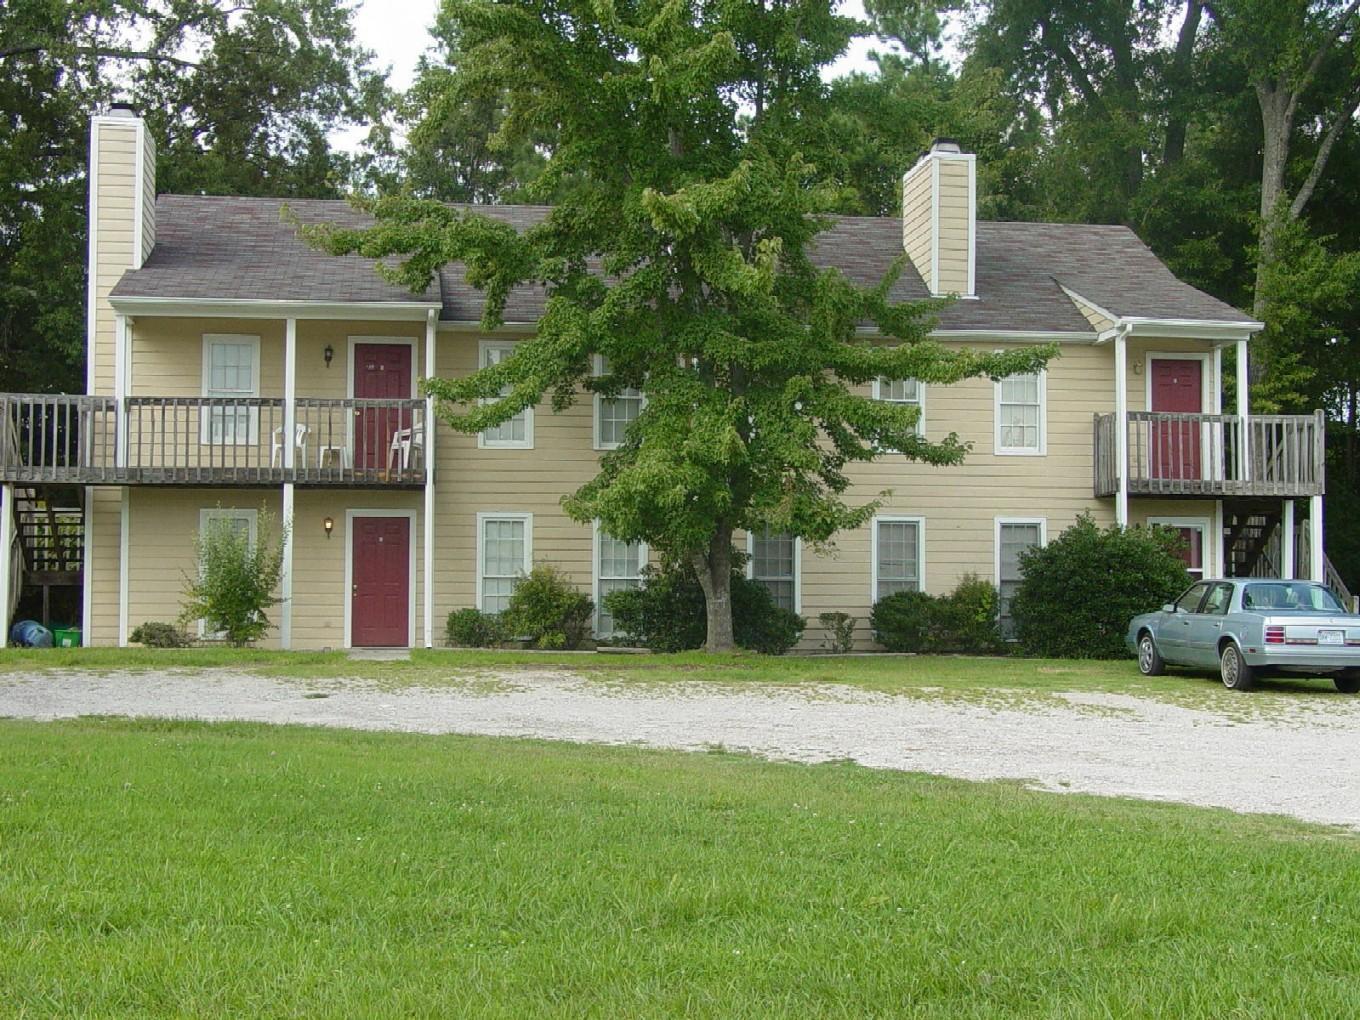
[
  {"x": 952, "y": 271},
  {"x": 1099, "y": 322},
  {"x": 916, "y": 218}
]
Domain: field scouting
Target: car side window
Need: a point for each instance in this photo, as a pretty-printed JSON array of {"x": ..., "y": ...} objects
[
  {"x": 1189, "y": 602},
  {"x": 1220, "y": 596}
]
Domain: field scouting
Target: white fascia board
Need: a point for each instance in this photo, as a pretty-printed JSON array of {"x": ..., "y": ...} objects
[
  {"x": 249, "y": 308},
  {"x": 1025, "y": 336},
  {"x": 1089, "y": 304},
  {"x": 1192, "y": 329}
]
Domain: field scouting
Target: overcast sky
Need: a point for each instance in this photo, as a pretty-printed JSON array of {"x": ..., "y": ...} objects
[{"x": 398, "y": 31}]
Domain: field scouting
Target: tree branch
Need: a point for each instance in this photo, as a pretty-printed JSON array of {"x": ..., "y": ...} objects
[
  {"x": 1316, "y": 63},
  {"x": 1343, "y": 117},
  {"x": 1057, "y": 44},
  {"x": 1174, "y": 148}
]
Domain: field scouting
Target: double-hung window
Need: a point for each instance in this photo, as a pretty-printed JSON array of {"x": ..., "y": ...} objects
[
  {"x": 774, "y": 564},
  {"x": 618, "y": 567},
  {"x": 240, "y": 523},
  {"x": 898, "y": 555},
  {"x": 515, "y": 433},
  {"x": 1013, "y": 537},
  {"x": 907, "y": 392},
  {"x": 613, "y": 415},
  {"x": 1194, "y": 532},
  {"x": 1020, "y": 414},
  {"x": 504, "y": 555},
  {"x": 231, "y": 371}
]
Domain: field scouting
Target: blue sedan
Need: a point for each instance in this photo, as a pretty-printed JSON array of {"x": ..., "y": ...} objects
[{"x": 1252, "y": 627}]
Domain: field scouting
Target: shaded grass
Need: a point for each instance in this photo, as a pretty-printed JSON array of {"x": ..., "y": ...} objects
[{"x": 165, "y": 869}]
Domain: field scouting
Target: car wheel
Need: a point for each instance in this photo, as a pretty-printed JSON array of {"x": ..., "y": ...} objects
[
  {"x": 1149, "y": 659},
  {"x": 1236, "y": 674},
  {"x": 1347, "y": 683}
]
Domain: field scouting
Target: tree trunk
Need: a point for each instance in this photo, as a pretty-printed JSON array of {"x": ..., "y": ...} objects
[
  {"x": 715, "y": 578},
  {"x": 1276, "y": 123}
]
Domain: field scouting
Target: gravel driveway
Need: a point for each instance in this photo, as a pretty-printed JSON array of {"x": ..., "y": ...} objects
[{"x": 1299, "y": 759}]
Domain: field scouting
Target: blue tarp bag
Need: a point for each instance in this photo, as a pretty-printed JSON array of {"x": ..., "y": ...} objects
[{"x": 30, "y": 634}]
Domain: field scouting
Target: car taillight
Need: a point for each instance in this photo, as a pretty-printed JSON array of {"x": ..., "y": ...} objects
[{"x": 1274, "y": 635}]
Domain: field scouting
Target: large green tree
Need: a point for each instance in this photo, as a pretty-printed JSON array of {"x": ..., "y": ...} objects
[
  {"x": 240, "y": 95},
  {"x": 679, "y": 249}
]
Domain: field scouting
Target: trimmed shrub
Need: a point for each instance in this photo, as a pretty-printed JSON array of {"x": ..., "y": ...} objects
[
  {"x": 840, "y": 631},
  {"x": 155, "y": 634},
  {"x": 1078, "y": 593},
  {"x": 965, "y": 620},
  {"x": 666, "y": 614},
  {"x": 236, "y": 579},
  {"x": 548, "y": 610},
  {"x": 471, "y": 628}
]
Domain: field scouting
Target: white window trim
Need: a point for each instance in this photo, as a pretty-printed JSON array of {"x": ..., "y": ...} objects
[
  {"x": 350, "y": 516},
  {"x": 1014, "y": 451},
  {"x": 597, "y": 368},
  {"x": 395, "y": 341},
  {"x": 797, "y": 568},
  {"x": 205, "y": 419},
  {"x": 1210, "y": 569},
  {"x": 503, "y": 444},
  {"x": 207, "y": 515},
  {"x": 920, "y": 523},
  {"x": 921, "y": 392},
  {"x": 498, "y": 515},
  {"x": 644, "y": 557}
]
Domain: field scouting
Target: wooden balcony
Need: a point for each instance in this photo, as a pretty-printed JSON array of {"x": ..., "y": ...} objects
[
  {"x": 1213, "y": 455},
  {"x": 211, "y": 441}
]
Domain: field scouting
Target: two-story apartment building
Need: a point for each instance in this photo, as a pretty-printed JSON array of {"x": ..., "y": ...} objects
[{"x": 231, "y": 367}]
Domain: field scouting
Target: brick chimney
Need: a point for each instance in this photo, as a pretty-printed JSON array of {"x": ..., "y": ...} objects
[
  {"x": 939, "y": 218},
  {"x": 122, "y": 226}
]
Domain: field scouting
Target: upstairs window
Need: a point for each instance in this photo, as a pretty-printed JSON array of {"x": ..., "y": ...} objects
[
  {"x": 231, "y": 371},
  {"x": 613, "y": 415},
  {"x": 911, "y": 392},
  {"x": 774, "y": 565},
  {"x": 516, "y": 433},
  {"x": 1020, "y": 414}
]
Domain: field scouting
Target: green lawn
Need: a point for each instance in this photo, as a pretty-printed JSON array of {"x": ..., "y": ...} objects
[{"x": 158, "y": 869}]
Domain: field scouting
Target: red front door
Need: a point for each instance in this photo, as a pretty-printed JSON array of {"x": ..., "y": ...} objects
[
  {"x": 380, "y": 593},
  {"x": 381, "y": 372},
  {"x": 1177, "y": 387}
]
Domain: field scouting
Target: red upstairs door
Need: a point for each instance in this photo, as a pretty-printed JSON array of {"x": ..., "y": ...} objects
[
  {"x": 381, "y": 372},
  {"x": 380, "y": 576},
  {"x": 1177, "y": 387}
]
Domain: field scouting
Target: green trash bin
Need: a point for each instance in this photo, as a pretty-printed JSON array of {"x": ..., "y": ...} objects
[{"x": 66, "y": 637}]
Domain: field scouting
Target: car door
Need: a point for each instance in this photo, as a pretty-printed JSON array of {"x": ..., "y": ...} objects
[
  {"x": 1206, "y": 626},
  {"x": 1174, "y": 641}
]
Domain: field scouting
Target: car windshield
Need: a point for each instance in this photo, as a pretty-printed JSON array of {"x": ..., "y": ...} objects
[{"x": 1290, "y": 596}]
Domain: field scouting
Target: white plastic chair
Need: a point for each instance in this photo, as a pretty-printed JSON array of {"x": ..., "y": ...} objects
[
  {"x": 299, "y": 442},
  {"x": 407, "y": 444}
]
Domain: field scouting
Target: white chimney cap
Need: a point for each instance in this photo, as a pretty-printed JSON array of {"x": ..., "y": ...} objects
[{"x": 945, "y": 145}]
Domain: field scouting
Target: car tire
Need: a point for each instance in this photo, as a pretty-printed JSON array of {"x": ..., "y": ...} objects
[
  {"x": 1233, "y": 669},
  {"x": 1348, "y": 683},
  {"x": 1149, "y": 659}
]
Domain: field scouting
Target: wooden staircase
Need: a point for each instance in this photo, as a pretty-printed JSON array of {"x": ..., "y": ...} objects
[
  {"x": 1253, "y": 544},
  {"x": 51, "y": 541}
]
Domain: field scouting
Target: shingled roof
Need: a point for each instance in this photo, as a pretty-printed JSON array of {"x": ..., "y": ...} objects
[{"x": 210, "y": 248}]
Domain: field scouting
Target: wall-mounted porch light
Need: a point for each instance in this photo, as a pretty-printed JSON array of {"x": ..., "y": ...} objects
[
  {"x": 329, "y": 525},
  {"x": 328, "y": 354}
]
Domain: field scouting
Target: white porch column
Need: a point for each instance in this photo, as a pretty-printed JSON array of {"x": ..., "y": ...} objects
[
  {"x": 1243, "y": 411},
  {"x": 289, "y": 463},
  {"x": 1287, "y": 541},
  {"x": 121, "y": 374},
  {"x": 6, "y": 563},
  {"x": 124, "y": 564},
  {"x": 428, "y": 574},
  {"x": 1315, "y": 571},
  {"x": 1121, "y": 426}
]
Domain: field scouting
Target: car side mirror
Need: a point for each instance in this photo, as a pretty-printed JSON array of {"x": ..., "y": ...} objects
[{"x": 1170, "y": 607}]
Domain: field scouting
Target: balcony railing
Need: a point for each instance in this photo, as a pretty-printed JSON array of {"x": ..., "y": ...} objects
[
  {"x": 1213, "y": 454},
  {"x": 211, "y": 441}
]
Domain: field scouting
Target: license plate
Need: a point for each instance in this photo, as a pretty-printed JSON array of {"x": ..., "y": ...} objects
[{"x": 1331, "y": 637}]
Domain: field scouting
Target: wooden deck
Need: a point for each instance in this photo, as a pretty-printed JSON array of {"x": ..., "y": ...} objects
[
  {"x": 211, "y": 442},
  {"x": 1212, "y": 456}
]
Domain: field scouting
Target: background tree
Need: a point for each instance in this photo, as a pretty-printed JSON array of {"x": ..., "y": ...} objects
[
  {"x": 679, "y": 249},
  {"x": 239, "y": 94}
]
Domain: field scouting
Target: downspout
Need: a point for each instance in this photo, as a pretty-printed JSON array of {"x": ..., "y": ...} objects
[{"x": 1121, "y": 426}]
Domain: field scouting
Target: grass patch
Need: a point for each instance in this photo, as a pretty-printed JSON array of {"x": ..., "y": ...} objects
[{"x": 166, "y": 869}]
